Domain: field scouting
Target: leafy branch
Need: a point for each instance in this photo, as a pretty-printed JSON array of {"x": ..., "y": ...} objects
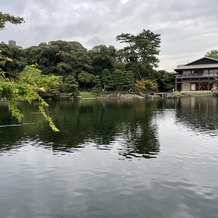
[{"x": 25, "y": 87}]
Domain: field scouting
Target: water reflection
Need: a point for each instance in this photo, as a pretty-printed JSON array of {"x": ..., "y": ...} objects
[
  {"x": 199, "y": 113},
  {"x": 125, "y": 126}
]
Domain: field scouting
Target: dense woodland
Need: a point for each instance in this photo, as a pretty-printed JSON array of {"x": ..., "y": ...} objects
[{"x": 106, "y": 68}]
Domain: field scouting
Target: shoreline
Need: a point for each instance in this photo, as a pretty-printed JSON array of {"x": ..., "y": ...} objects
[{"x": 128, "y": 96}]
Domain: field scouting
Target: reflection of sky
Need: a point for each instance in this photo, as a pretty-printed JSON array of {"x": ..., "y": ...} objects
[
  {"x": 199, "y": 113},
  {"x": 178, "y": 137}
]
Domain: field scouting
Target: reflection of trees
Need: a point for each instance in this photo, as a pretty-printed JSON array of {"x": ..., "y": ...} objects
[
  {"x": 7, "y": 126},
  {"x": 12, "y": 133},
  {"x": 140, "y": 133},
  {"x": 102, "y": 122},
  {"x": 94, "y": 121},
  {"x": 198, "y": 112}
]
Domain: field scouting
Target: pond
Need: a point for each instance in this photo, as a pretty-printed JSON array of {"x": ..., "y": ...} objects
[{"x": 126, "y": 159}]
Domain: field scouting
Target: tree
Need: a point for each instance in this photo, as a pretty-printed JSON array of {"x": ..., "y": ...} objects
[
  {"x": 107, "y": 80},
  {"x": 140, "y": 52},
  {"x": 146, "y": 86},
  {"x": 60, "y": 58},
  {"x": 118, "y": 80},
  {"x": 165, "y": 80},
  {"x": 4, "y": 18},
  {"x": 70, "y": 85},
  {"x": 98, "y": 87},
  {"x": 122, "y": 80},
  {"x": 129, "y": 80},
  {"x": 212, "y": 54},
  {"x": 86, "y": 79},
  {"x": 102, "y": 57},
  {"x": 18, "y": 57}
]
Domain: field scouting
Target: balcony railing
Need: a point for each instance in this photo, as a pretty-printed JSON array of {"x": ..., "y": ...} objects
[{"x": 204, "y": 75}]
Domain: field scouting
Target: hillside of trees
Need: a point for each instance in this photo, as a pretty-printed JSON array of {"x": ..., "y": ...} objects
[{"x": 101, "y": 68}]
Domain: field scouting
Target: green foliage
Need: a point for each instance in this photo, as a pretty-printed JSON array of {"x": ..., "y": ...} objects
[
  {"x": 176, "y": 95},
  {"x": 86, "y": 79},
  {"x": 70, "y": 85},
  {"x": 60, "y": 58},
  {"x": 140, "y": 52},
  {"x": 118, "y": 79},
  {"x": 98, "y": 87},
  {"x": 17, "y": 55},
  {"x": 26, "y": 88},
  {"x": 129, "y": 80},
  {"x": 102, "y": 57},
  {"x": 122, "y": 80},
  {"x": 4, "y": 18},
  {"x": 146, "y": 86},
  {"x": 165, "y": 80},
  {"x": 212, "y": 54},
  {"x": 107, "y": 80}
]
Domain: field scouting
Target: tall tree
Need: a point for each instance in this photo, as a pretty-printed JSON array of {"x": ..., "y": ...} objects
[
  {"x": 102, "y": 57},
  {"x": 60, "y": 58},
  {"x": 70, "y": 85},
  {"x": 86, "y": 80},
  {"x": 107, "y": 80},
  {"x": 140, "y": 52},
  {"x": 18, "y": 57}
]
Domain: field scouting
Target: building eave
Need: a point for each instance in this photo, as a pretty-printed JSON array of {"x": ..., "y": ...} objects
[{"x": 193, "y": 67}]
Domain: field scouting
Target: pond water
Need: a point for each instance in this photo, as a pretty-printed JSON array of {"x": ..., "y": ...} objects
[{"x": 111, "y": 159}]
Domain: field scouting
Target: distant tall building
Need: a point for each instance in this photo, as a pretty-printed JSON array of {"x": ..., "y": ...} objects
[{"x": 12, "y": 42}]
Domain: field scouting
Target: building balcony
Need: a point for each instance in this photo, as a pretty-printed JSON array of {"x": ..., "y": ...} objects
[{"x": 204, "y": 75}]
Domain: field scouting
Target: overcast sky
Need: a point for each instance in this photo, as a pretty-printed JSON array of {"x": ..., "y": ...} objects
[{"x": 188, "y": 28}]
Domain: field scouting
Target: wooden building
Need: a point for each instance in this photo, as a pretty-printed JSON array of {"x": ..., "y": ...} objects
[{"x": 198, "y": 75}]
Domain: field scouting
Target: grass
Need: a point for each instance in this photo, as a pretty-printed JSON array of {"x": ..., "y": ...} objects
[
  {"x": 88, "y": 95},
  {"x": 200, "y": 94}
]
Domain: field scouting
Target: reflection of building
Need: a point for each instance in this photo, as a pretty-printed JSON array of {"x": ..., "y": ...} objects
[{"x": 198, "y": 75}]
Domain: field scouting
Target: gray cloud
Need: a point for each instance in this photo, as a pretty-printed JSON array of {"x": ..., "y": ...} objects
[{"x": 188, "y": 28}]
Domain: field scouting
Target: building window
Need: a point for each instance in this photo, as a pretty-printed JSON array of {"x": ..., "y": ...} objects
[
  {"x": 197, "y": 72},
  {"x": 213, "y": 71},
  {"x": 186, "y": 72}
]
